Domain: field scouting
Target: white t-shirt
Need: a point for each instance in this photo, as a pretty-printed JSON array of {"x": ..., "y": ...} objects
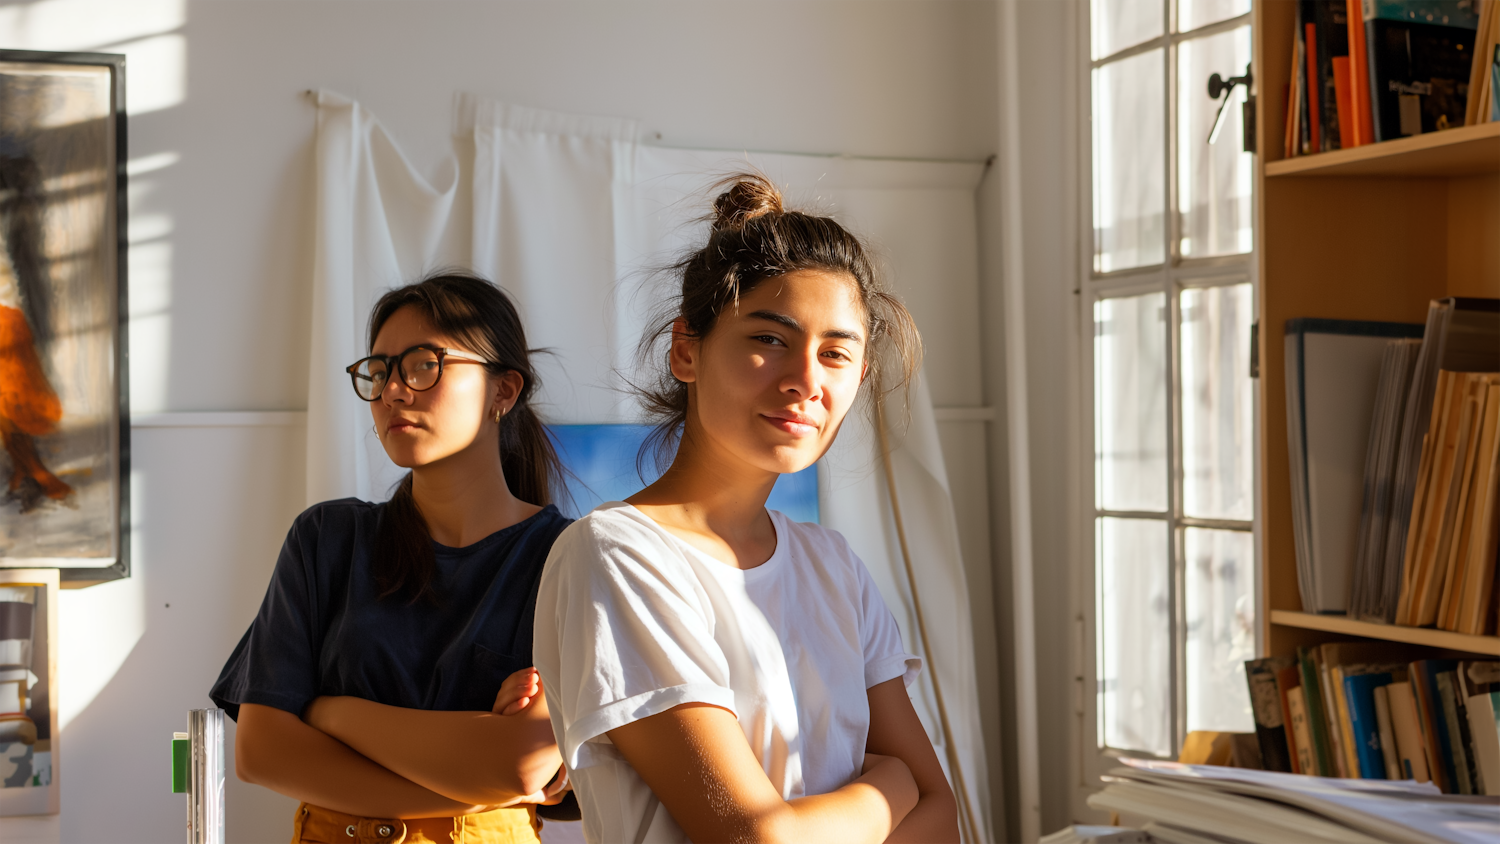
[{"x": 632, "y": 621}]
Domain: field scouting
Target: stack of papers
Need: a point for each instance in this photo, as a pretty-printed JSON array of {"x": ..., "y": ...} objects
[{"x": 1192, "y": 804}]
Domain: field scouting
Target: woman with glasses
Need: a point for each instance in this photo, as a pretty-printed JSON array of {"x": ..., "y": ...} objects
[{"x": 386, "y": 681}]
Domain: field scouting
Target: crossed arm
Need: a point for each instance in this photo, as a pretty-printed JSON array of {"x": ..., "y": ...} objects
[
  {"x": 697, "y": 762},
  {"x": 352, "y": 755}
]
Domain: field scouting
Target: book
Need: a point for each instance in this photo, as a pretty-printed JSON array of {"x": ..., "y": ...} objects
[
  {"x": 1288, "y": 677},
  {"x": 1265, "y": 807},
  {"x": 1479, "y": 686},
  {"x": 1420, "y": 58},
  {"x": 1265, "y": 704},
  {"x": 1461, "y": 335},
  {"x": 1331, "y": 25},
  {"x": 1387, "y": 732},
  {"x": 1369, "y": 594},
  {"x": 1301, "y": 732},
  {"x": 1483, "y": 73},
  {"x": 1435, "y": 738},
  {"x": 1477, "y": 578},
  {"x": 1455, "y": 717},
  {"x": 1408, "y": 728},
  {"x": 1359, "y": 690},
  {"x": 1317, "y": 720},
  {"x": 1312, "y": 110},
  {"x": 1359, "y": 75},
  {"x": 1333, "y": 372}
]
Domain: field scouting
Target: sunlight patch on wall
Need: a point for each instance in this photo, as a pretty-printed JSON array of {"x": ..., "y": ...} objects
[
  {"x": 99, "y": 627},
  {"x": 87, "y": 24}
]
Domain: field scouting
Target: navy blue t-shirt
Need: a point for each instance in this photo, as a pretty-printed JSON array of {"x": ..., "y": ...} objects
[{"x": 322, "y": 631}]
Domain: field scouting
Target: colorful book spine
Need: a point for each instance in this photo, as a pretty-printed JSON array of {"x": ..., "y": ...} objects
[
  {"x": 1387, "y": 733},
  {"x": 1359, "y": 692},
  {"x": 1265, "y": 705},
  {"x": 1316, "y": 719},
  {"x": 1457, "y": 720},
  {"x": 1439, "y": 751},
  {"x": 1301, "y": 732}
]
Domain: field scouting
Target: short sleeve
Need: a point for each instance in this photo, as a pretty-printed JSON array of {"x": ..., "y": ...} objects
[
  {"x": 624, "y": 631},
  {"x": 275, "y": 663},
  {"x": 885, "y": 657}
]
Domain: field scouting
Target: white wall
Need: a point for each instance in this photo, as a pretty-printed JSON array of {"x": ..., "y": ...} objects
[{"x": 220, "y": 137}]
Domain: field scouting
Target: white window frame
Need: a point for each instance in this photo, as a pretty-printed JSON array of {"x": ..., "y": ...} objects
[{"x": 1170, "y": 278}]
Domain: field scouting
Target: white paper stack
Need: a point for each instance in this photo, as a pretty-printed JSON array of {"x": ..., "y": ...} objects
[
  {"x": 1369, "y": 594},
  {"x": 1195, "y": 803},
  {"x": 1333, "y": 372}
]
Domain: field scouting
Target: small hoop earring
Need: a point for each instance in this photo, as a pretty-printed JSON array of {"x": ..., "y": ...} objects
[{"x": 498, "y": 413}]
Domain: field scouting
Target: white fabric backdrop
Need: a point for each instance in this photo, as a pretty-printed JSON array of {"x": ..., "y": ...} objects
[{"x": 569, "y": 215}]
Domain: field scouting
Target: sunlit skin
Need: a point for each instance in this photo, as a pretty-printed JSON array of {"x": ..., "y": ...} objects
[
  {"x": 768, "y": 389},
  {"x": 340, "y": 754}
]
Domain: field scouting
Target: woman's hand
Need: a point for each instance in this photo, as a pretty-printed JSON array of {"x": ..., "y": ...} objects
[{"x": 517, "y": 692}]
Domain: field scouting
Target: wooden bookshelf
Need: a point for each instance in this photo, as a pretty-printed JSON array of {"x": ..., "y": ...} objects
[
  {"x": 1487, "y": 645},
  {"x": 1370, "y": 233}
]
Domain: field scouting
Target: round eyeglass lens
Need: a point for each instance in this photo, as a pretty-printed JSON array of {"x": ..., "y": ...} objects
[
  {"x": 369, "y": 378},
  {"x": 422, "y": 368}
]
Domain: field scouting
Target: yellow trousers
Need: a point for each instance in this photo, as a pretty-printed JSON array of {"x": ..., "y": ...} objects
[{"x": 316, "y": 825}]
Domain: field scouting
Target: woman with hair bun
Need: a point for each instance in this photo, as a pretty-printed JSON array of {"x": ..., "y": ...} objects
[
  {"x": 715, "y": 671},
  {"x": 386, "y": 682}
]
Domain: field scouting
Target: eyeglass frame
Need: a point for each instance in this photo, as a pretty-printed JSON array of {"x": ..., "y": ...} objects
[{"x": 442, "y": 356}]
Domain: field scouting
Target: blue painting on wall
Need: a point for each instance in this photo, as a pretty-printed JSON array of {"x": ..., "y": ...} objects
[{"x": 601, "y": 459}]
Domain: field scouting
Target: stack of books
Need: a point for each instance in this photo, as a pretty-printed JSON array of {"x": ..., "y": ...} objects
[
  {"x": 1365, "y": 71},
  {"x": 1394, "y": 451},
  {"x": 1375, "y": 710},
  {"x": 1198, "y": 804}
]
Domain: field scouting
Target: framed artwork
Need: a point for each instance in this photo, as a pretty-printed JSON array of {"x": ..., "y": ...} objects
[
  {"x": 64, "y": 411},
  {"x": 601, "y": 462},
  {"x": 28, "y": 692}
]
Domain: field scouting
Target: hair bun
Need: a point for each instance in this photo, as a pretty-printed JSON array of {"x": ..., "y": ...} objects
[{"x": 748, "y": 195}]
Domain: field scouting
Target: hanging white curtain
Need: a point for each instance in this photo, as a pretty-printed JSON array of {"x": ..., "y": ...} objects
[{"x": 571, "y": 216}]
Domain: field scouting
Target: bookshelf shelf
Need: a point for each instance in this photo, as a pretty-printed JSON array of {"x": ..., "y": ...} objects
[
  {"x": 1488, "y": 645},
  {"x": 1463, "y": 151}
]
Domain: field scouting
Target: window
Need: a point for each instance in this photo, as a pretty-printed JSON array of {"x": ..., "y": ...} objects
[{"x": 1171, "y": 298}]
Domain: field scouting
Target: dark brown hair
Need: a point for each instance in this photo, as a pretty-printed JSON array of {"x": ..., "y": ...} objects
[
  {"x": 482, "y": 319},
  {"x": 753, "y": 237}
]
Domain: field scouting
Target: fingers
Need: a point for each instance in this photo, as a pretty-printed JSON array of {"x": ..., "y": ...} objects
[{"x": 517, "y": 692}]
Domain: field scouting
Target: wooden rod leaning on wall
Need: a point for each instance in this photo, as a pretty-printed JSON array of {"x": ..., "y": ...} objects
[{"x": 966, "y": 809}]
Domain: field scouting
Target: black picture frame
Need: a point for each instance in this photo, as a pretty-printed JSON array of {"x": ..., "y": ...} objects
[{"x": 73, "y": 576}]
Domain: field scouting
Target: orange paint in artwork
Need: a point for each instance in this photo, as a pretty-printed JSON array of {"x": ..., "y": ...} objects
[
  {"x": 28, "y": 405},
  {"x": 26, "y": 399}
]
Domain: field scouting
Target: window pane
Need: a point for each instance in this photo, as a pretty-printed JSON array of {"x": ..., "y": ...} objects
[
  {"x": 1130, "y": 403},
  {"x": 1192, "y": 14},
  {"x": 1218, "y": 437},
  {"x": 1213, "y": 179},
  {"x": 1118, "y": 24},
  {"x": 1129, "y": 151},
  {"x": 1134, "y": 635},
  {"x": 1220, "y": 603}
]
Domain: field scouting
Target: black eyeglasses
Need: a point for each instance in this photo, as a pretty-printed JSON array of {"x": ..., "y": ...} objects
[{"x": 420, "y": 367}]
